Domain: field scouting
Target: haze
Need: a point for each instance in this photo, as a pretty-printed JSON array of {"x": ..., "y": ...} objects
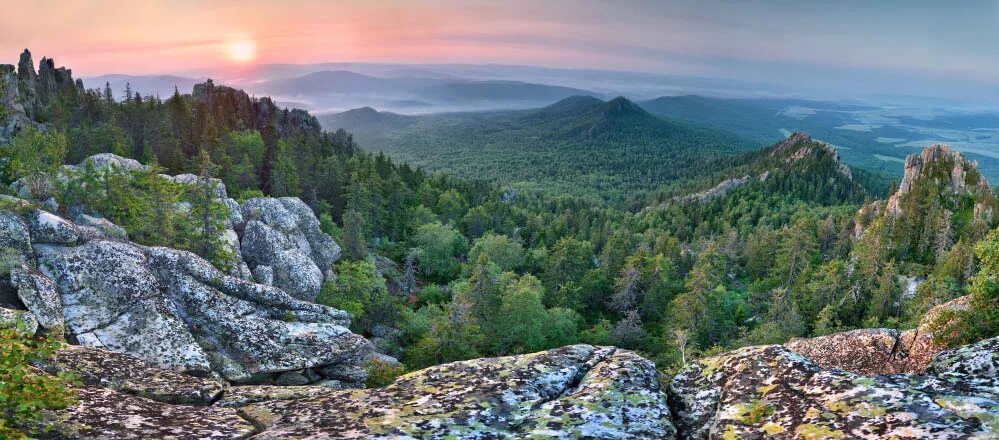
[{"x": 817, "y": 48}]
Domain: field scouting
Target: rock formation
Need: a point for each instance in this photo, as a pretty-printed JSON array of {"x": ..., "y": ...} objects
[
  {"x": 571, "y": 392},
  {"x": 26, "y": 92},
  {"x": 772, "y": 392},
  {"x": 949, "y": 172},
  {"x": 877, "y": 351},
  {"x": 169, "y": 307}
]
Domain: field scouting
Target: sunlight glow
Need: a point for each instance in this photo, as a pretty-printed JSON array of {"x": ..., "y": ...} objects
[{"x": 241, "y": 51}]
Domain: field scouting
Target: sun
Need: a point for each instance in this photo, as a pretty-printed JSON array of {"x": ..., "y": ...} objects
[{"x": 241, "y": 51}]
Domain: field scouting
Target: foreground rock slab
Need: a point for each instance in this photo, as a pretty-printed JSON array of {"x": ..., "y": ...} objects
[
  {"x": 772, "y": 392},
  {"x": 572, "y": 392}
]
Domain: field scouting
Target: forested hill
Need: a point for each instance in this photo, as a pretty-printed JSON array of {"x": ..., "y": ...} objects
[
  {"x": 442, "y": 269},
  {"x": 582, "y": 146}
]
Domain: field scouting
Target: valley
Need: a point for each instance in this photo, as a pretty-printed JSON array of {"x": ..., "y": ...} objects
[{"x": 499, "y": 220}]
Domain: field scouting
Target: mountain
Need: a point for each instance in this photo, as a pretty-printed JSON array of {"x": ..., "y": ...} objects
[
  {"x": 330, "y": 82},
  {"x": 498, "y": 91},
  {"x": 146, "y": 85},
  {"x": 873, "y": 137},
  {"x": 360, "y": 118},
  {"x": 421, "y": 92},
  {"x": 581, "y": 145}
]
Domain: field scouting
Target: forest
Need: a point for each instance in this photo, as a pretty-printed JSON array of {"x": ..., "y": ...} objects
[{"x": 438, "y": 268}]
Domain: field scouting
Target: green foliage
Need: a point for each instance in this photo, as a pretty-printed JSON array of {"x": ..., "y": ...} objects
[
  {"x": 439, "y": 247},
  {"x": 382, "y": 373},
  {"x": 34, "y": 156},
  {"x": 505, "y": 252},
  {"x": 360, "y": 291},
  {"x": 981, "y": 318},
  {"x": 25, "y": 392}
]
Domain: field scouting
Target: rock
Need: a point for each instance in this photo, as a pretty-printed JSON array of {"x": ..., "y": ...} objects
[
  {"x": 770, "y": 391},
  {"x": 15, "y": 237},
  {"x": 963, "y": 174},
  {"x": 877, "y": 351},
  {"x": 273, "y": 237},
  {"x": 571, "y": 392},
  {"x": 291, "y": 378},
  {"x": 111, "y": 299},
  {"x": 108, "y": 161},
  {"x": 49, "y": 228},
  {"x": 261, "y": 327},
  {"x": 103, "y": 413},
  {"x": 10, "y": 318},
  {"x": 264, "y": 275},
  {"x": 169, "y": 308},
  {"x": 126, "y": 374},
  {"x": 240, "y": 396},
  {"x": 104, "y": 226},
  {"x": 217, "y": 187},
  {"x": 39, "y": 295}
]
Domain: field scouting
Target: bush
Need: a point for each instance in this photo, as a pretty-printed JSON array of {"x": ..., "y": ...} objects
[
  {"x": 382, "y": 373},
  {"x": 25, "y": 392}
]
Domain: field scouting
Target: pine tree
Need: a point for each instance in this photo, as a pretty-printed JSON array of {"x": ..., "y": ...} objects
[{"x": 353, "y": 236}]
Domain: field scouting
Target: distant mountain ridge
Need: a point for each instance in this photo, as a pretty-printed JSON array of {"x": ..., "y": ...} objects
[{"x": 578, "y": 145}]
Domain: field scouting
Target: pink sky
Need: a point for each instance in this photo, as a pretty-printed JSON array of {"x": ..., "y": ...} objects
[
  {"x": 97, "y": 37},
  {"x": 754, "y": 40}
]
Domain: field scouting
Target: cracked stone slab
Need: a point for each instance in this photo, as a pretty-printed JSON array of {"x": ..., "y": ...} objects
[
  {"x": 577, "y": 391},
  {"x": 126, "y": 374},
  {"x": 102, "y": 413},
  {"x": 773, "y": 392}
]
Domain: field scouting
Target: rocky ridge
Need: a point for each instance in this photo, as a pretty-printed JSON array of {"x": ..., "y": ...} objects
[
  {"x": 577, "y": 391},
  {"x": 172, "y": 308},
  {"x": 24, "y": 92}
]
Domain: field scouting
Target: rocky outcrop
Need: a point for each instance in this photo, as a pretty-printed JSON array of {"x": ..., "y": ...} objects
[
  {"x": 772, "y": 392},
  {"x": 172, "y": 308},
  {"x": 282, "y": 243},
  {"x": 949, "y": 171},
  {"x": 25, "y": 93},
  {"x": 571, "y": 392},
  {"x": 800, "y": 145},
  {"x": 717, "y": 191},
  {"x": 255, "y": 113},
  {"x": 877, "y": 351}
]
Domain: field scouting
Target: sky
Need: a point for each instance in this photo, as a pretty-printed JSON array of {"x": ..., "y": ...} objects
[{"x": 906, "y": 46}]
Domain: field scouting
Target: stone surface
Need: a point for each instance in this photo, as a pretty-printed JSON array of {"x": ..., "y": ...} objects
[
  {"x": 571, "y": 392},
  {"x": 772, "y": 392},
  {"x": 10, "y": 318},
  {"x": 240, "y": 396},
  {"x": 107, "y": 161},
  {"x": 283, "y": 234},
  {"x": 172, "y": 308},
  {"x": 102, "y": 413},
  {"x": 126, "y": 374},
  {"x": 877, "y": 351},
  {"x": 39, "y": 295}
]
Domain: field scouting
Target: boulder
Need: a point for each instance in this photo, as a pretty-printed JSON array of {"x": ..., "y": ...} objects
[
  {"x": 11, "y": 318},
  {"x": 284, "y": 235},
  {"x": 39, "y": 295},
  {"x": 104, "y": 227},
  {"x": 126, "y": 374},
  {"x": 773, "y": 392},
  {"x": 49, "y": 228},
  {"x": 107, "y": 161},
  {"x": 877, "y": 351},
  {"x": 111, "y": 299},
  {"x": 571, "y": 392},
  {"x": 103, "y": 413}
]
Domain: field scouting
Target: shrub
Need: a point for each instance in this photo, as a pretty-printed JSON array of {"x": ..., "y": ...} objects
[
  {"x": 381, "y": 373},
  {"x": 25, "y": 392}
]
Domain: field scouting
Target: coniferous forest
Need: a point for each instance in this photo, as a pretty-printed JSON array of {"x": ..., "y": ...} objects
[{"x": 763, "y": 246}]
